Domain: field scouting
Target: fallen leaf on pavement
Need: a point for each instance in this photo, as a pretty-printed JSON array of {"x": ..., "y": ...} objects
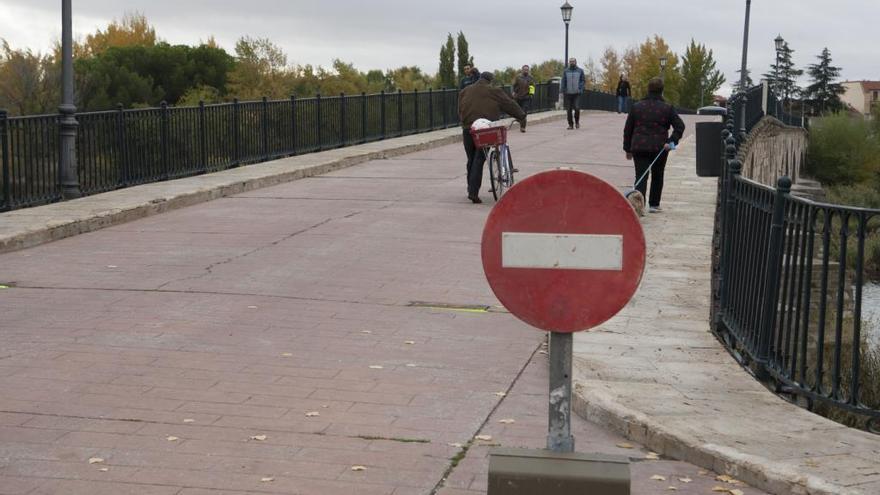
[
  {"x": 358, "y": 468},
  {"x": 312, "y": 414},
  {"x": 484, "y": 438},
  {"x": 95, "y": 460},
  {"x": 500, "y": 394},
  {"x": 542, "y": 352},
  {"x": 287, "y": 354},
  {"x": 657, "y": 477},
  {"x": 267, "y": 479},
  {"x": 189, "y": 420},
  {"x": 259, "y": 438},
  {"x": 736, "y": 492},
  {"x": 456, "y": 445},
  {"x": 685, "y": 480},
  {"x": 672, "y": 488},
  {"x": 410, "y": 342},
  {"x": 625, "y": 445},
  {"x": 410, "y": 365},
  {"x": 652, "y": 456},
  {"x": 112, "y": 266},
  {"x": 507, "y": 421},
  {"x": 366, "y": 331},
  {"x": 720, "y": 489},
  {"x": 104, "y": 470},
  {"x": 377, "y": 367},
  {"x": 172, "y": 439},
  {"x": 252, "y": 307}
]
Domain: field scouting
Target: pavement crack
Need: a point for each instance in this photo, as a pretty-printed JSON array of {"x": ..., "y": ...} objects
[{"x": 462, "y": 453}]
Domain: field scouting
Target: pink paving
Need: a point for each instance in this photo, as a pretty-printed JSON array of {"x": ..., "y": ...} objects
[{"x": 269, "y": 342}]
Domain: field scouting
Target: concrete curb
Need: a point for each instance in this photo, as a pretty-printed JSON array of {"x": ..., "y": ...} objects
[{"x": 20, "y": 229}]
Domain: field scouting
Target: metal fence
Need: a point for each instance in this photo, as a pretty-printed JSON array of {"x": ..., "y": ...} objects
[
  {"x": 789, "y": 277},
  {"x": 121, "y": 148}
]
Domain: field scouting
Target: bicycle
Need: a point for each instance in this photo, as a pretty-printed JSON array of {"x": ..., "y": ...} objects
[{"x": 493, "y": 141}]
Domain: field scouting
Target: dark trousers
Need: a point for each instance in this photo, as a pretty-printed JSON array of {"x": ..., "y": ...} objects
[
  {"x": 572, "y": 107},
  {"x": 526, "y": 105},
  {"x": 476, "y": 159},
  {"x": 642, "y": 162}
]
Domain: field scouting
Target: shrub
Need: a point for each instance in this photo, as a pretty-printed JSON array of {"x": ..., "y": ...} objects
[{"x": 843, "y": 150}]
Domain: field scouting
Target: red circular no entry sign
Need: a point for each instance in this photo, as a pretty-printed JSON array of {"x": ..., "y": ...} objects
[{"x": 563, "y": 251}]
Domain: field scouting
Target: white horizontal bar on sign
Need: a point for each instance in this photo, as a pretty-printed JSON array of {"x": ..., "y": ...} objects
[{"x": 561, "y": 251}]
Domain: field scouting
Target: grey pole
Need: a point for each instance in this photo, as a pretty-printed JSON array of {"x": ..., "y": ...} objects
[
  {"x": 778, "y": 103},
  {"x": 566, "y": 45},
  {"x": 68, "y": 124},
  {"x": 559, "y": 438},
  {"x": 743, "y": 72}
]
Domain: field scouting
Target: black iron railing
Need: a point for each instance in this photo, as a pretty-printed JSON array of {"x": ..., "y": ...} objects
[
  {"x": 121, "y": 148},
  {"x": 789, "y": 275}
]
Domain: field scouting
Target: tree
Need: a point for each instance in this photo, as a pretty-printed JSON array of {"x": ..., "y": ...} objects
[
  {"x": 464, "y": 57},
  {"x": 824, "y": 90},
  {"x": 699, "y": 77},
  {"x": 446, "y": 74},
  {"x": 133, "y": 30},
  {"x": 786, "y": 86},
  {"x": 260, "y": 70},
  {"x": 408, "y": 79},
  {"x": 612, "y": 68},
  {"x": 548, "y": 69},
  {"x": 28, "y": 82},
  {"x": 643, "y": 64},
  {"x": 592, "y": 74},
  {"x": 736, "y": 84}
]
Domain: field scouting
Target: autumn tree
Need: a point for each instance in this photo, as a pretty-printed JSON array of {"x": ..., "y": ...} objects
[
  {"x": 612, "y": 68},
  {"x": 643, "y": 64},
  {"x": 260, "y": 70},
  {"x": 133, "y": 30},
  {"x": 28, "y": 81},
  {"x": 592, "y": 75},
  {"x": 700, "y": 78}
]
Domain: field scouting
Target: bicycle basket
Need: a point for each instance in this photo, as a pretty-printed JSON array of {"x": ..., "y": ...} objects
[{"x": 489, "y": 136}]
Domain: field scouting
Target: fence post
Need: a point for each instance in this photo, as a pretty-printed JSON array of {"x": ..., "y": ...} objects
[
  {"x": 416, "y": 127},
  {"x": 264, "y": 127},
  {"x": 203, "y": 136},
  {"x": 400, "y": 112},
  {"x": 122, "y": 156},
  {"x": 363, "y": 117},
  {"x": 771, "y": 277},
  {"x": 430, "y": 109},
  {"x": 4, "y": 158},
  {"x": 728, "y": 207},
  {"x": 318, "y": 122},
  {"x": 341, "y": 119},
  {"x": 236, "y": 132},
  {"x": 444, "y": 93},
  {"x": 163, "y": 140},
  {"x": 382, "y": 113},
  {"x": 293, "y": 122}
]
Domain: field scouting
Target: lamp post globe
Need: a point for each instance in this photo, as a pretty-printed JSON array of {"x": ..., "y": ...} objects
[
  {"x": 663, "y": 61},
  {"x": 566, "y": 18}
]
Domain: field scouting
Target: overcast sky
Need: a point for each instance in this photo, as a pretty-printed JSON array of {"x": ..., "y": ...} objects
[{"x": 391, "y": 33}]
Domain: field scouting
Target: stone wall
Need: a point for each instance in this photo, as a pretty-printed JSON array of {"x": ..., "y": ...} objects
[{"x": 772, "y": 150}]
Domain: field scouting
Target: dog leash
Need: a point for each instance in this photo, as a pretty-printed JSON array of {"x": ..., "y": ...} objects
[{"x": 636, "y": 185}]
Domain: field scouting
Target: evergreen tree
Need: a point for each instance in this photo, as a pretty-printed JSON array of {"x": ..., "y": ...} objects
[
  {"x": 446, "y": 74},
  {"x": 824, "y": 90},
  {"x": 700, "y": 78},
  {"x": 786, "y": 86},
  {"x": 749, "y": 82},
  {"x": 464, "y": 57}
]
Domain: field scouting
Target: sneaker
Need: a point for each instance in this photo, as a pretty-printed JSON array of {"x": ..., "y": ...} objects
[
  {"x": 577, "y": 125},
  {"x": 570, "y": 128},
  {"x": 475, "y": 199},
  {"x": 655, "y": 209}
]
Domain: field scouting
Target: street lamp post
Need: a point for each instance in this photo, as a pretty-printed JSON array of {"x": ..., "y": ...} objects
[
  {"x": 663, "y": 61},
  {"x": 780, "y": 43},
  {"x": 68, "y": 124},
  {"x": 566, "y": 18},
  {"x": 743, "y": 75}
]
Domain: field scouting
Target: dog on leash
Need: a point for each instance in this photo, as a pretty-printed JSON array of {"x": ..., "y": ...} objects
[{"x": 637, "y": 201}]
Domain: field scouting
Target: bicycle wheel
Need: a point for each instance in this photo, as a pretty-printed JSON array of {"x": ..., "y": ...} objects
[
  {"x": 509, "y": 166},
  {"x": 494, "y": 161}
]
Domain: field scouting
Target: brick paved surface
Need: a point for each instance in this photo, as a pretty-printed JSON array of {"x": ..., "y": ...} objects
[{"x": 268, "y": 342}]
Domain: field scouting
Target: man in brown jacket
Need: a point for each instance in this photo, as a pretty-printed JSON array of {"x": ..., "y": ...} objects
[
  {"x": 522, "y": 91},
  {"x": 481, "y": 100}
]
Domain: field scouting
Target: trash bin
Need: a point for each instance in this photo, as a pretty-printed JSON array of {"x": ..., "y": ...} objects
[{"x": 710, "y": 149}]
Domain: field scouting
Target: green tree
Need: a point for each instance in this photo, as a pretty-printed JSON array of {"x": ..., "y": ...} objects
[
  {"x": 408, "y": 79},
  {"x": 547, "y": 70},
  {"x": 825, "y": 91},
  {"x": 446, "y": 74},
  {"x": 700, "y": 78},
  {"x": 28, "y": 81},
  {"x": 786, "y": 86},
  {"x": 736, "y": 83},
  {"x": 464, "y": 56},
  {"x": 260, "y": 70}
]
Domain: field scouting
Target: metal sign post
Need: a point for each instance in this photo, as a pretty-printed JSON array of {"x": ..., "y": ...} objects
[
  {"x": 559, "y": 437},
  {"x": 564, "y": 252}
]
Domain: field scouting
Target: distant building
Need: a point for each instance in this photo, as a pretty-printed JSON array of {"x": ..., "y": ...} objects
[{"x": 861, "y": 95}]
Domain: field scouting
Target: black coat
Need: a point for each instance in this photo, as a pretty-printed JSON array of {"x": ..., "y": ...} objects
[
  {"x": 623, "y": 88},
  {"x": 647, "y": 126}
]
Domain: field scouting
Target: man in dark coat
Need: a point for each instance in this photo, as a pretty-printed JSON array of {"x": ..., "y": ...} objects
[
  {"x": 647, "y": 134},
  {"x": 471, "y": 75},
  {"x": 623, "y": 93},
  {"x": 481, "y": 100},
  {"x": 523, "y": 88}
]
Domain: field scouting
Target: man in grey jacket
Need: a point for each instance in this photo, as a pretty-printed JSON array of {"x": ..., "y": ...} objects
[{"x": 573, "y": 82}]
